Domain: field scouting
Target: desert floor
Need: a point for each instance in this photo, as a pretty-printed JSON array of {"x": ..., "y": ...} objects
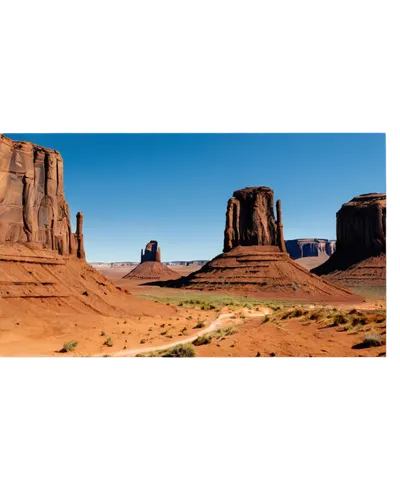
[{"x": 184, "y": 323}]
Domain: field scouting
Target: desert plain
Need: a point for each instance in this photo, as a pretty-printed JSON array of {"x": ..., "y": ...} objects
[{"x": 252, "y": 300}]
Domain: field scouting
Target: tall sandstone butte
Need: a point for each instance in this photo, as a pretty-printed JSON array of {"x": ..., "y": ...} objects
[
  {"x": 255, "y": 257},
  {"x": 33, "y": 208},
  {"x": 151, "y": 253},
  {"x": 250, "y": 219},
  {"x": 361, "y": 241}
]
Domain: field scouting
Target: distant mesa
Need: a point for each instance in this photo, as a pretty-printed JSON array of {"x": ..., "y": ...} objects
[
  {"x": 360, "y": 256},
  {"x": 255, "y": 257},
  {"x": 150, "y": 267},
  {"x": 310, "y": 247}
]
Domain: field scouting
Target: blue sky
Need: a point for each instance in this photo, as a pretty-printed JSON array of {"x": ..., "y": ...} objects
[{"x": 174, "y": 187}]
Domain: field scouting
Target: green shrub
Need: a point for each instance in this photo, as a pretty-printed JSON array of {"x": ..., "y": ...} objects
[
  {"x": 180, "y": 351},
  {"x": 204, "y": 339},
  {"x": 373, "y": 340},
  {"x": 69, "y": 346}
]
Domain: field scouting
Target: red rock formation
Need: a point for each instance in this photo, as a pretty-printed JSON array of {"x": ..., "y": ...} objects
[
  {"x": 361, "y": 226},
  {"x": 250, "y": 219},
  {"x": 33, "y": 208},
  {"x": 361, "y": 236},
  {"x": 255, "y": 257},
  {"x": 151, "y": 253}
]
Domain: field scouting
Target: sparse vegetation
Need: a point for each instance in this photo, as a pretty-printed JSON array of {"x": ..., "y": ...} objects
[
  {"x": 178, "y": 351},
  {"x": 373, "y": 340},
  {"x": 108, "y": 342},
  {"x": 69, "y": 346},
  {"x": 200, "y": 324},
  {"x": 204, "y": 339}
]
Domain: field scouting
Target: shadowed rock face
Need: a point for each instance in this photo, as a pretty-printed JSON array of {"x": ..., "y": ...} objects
[
  {"x": 361, "y": 235},
  {"x": 250, "y": 219},
  {"x": 310, "y": 247},
  {"x": 33, "y": 208},
  {"x": 361, "y": 226},
  {"x": 151, "y": 252}
]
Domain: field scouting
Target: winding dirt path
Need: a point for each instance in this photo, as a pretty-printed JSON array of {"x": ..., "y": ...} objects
[{"x": 224, "y": 320}]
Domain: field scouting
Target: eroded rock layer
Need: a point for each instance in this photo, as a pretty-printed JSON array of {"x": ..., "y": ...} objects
[
  {"x": 360, "y": 256},
  {"x": 152, "y": 271},
  {"x": 261, "y": 268},
  {"x": 250, "y": 219},
  {"x": 33, "y": 208}
]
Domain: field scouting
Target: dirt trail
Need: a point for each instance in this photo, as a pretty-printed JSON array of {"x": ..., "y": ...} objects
[{"x": 224, "y": 320}]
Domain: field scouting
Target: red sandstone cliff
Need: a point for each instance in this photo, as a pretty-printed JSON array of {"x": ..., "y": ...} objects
[
  {"x": 250, "y": 219},
  {"x": 361, "y": 235},
  {"x": 33, "y": 208}
]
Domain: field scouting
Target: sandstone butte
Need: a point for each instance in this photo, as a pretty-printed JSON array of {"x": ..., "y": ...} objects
[
  {"x": 43, "y": 267},
  {"x": 255, "y": 258},
  {"x": 360, "y": 257},
  {"x": 150, "y": 267}
]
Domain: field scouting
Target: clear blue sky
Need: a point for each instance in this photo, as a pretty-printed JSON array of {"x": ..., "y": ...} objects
[{"x": 174, "y": 187}]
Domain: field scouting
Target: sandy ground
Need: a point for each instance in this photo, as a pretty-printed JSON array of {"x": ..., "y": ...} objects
[{"x": 160, "y": 318}]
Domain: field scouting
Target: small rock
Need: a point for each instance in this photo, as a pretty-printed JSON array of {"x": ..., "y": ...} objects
[
  {"x": 258, "y": 355},
  {"x": 272, "y": 354}
]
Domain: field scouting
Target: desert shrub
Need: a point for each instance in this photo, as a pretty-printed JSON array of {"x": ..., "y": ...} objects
[
  {"x": 200, "y": 324},
  {"x": 204, "y": 339},
  {"x": 265, "y": 320},
  {"x": 179, "y": 351},
  {"x": 69, "y": 346},
  {"x": 358, "y": 320},
  {"x": 108, "y": 342},
  {"x": 143, "y": 341},
  {"x": 373, "y": 340},
  {"x": 102, "y": 334},
  {"x": 339, "y": 319},
  {"x": 230, "y": 330},
  {"x": 184, "y": 329},
  {"x": 316, "y": 315},
  {"x": 294, "y": 313}
]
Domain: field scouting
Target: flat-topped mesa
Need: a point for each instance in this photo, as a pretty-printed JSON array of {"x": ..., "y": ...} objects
[
  {"x": 33, "y": 208},
  {"x": 361, "y": 226},
  {"x": 250, "y": 219},
  {"x": 151, "y": 253}
]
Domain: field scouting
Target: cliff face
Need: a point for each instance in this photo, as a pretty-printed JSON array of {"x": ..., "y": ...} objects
[
  {"x": 250, "y": 219},
  {"x": 33, "y": 208},
  {"x": 361, "y": 241},
  {"x": 361, "y": 226},
  {"x": 310, "y": 247}
]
